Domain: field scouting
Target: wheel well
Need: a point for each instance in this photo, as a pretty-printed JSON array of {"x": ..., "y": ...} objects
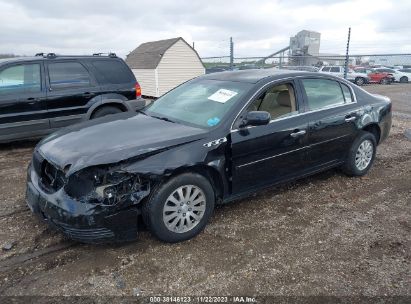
[
  {"x": 375, "y": 130},
  {"x": 110, "y": 104},
  {"x": 208, "y": 172}
]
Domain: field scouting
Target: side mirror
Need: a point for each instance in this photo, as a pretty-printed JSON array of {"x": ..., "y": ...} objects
[{"x": 256, "y": 118}]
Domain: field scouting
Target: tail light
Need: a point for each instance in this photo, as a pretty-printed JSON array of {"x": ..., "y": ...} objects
[{"x": 138, "y": 90}]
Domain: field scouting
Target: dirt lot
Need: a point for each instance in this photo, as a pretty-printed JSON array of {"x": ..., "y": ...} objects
[{"x": 323, "y": 235}]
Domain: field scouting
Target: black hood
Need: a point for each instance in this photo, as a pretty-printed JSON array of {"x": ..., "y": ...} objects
[{"x": 113, "y": 139}]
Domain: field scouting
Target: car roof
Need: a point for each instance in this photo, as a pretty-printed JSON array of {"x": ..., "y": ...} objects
[
  {"x": 35, "y": 58},
  {"x": 255, "y": 75}
]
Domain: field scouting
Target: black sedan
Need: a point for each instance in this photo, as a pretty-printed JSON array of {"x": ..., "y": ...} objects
[{"x": 212, "y": 140}]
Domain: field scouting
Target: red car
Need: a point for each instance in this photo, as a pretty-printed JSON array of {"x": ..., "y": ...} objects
[{"x": 375, "y": 76}]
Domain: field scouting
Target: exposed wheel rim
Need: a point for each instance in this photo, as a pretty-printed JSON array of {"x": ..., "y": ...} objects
[
  {"x": 360, "y": 81},
  {"x": 364, "y": 155},
  {"x": 184, "y": 208}
]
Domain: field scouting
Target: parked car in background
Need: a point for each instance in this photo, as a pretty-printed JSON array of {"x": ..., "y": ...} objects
[
  {"x": 398, "y": 76},
  {"x": 41, "y": 94},
  {"x": 300, "y": 68},
  {"x": 214, "y": 139},
  {"x": 358, "y": 78},
  {"x": 375, "y": 76},
  {"x": 406, "y": 72},
  {"x": 218, "y": 68}
]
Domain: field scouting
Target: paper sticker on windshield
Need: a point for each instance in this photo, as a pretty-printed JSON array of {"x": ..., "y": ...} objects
[{"x": 222, "y": 95}]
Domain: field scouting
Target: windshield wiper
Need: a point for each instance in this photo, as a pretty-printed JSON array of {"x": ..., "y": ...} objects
[
  {"x": 163, "y": 118},
  {"x": 142, "y": 112}
]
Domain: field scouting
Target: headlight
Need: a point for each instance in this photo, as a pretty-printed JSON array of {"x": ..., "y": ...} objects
[{"x": 100, "y": 186}]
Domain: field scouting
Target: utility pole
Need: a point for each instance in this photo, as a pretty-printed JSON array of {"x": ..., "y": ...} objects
[
  {"x": 346, "y": 54},
  {"x": 231, "y": 53}
]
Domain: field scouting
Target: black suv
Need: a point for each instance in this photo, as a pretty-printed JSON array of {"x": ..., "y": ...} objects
[{"x": 43, "y": 93}]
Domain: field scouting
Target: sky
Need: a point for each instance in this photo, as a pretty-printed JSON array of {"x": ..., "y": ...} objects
[{"x": 258, "y": 28}]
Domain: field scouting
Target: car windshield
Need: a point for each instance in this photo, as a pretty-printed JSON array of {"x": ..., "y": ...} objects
[{"x": 200, "y": 102}]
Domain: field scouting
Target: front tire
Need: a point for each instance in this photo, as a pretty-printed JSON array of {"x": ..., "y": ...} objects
[
  {"x": 179, "y": 209},
  {"x": 404, "y": 79},
  {"x": 359, "y": 81},
  {"x": 361, "y": 155}
]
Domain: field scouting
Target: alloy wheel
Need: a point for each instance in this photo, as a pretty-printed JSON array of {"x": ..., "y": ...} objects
[{"x": 364, "y": 155}]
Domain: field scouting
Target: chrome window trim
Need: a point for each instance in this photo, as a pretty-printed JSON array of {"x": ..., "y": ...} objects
[{"x": 346, "y": 82}]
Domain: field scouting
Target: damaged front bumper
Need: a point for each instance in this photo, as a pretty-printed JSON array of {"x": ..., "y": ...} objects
[{"x": 81, "y": 221}]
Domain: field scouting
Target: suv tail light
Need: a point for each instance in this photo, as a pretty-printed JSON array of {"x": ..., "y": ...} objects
[{"x": 138, "y": 90}]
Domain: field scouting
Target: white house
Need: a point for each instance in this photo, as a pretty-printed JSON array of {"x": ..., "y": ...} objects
[{"x": 160, "y": 66}]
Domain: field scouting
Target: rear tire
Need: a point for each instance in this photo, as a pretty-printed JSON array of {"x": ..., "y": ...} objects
[
  {"x": 361, "y": 155},
  {"x": 104, "y": 111},
  {"x": 384, "y": 81},
  {"x": 180, "y": 208}
]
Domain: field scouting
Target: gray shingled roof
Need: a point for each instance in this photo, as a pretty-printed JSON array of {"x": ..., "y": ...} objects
[{"x": 148, "y": 55}]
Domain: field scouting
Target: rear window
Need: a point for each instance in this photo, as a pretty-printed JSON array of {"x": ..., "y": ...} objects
[
  {"x": 323, "y": 93},
  {"x": 112, "y": 72},
  {"x": 335, "y": 69},
  {"x": 65, "y": 75}
]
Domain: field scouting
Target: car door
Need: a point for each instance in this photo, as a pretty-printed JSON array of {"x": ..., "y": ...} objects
[
  {"x": 270, "y": 153},
  {"x": 22, "y": 101},
  {"x": 70, "y": 89},
  {"x": 332, "y": 114}
]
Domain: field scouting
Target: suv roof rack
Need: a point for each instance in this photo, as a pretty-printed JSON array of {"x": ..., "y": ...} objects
[
  {"x": 108, "y": 54},
  {"x": 53, "y": 55}
]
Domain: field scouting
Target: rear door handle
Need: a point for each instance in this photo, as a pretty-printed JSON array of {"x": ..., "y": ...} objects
[
  {"x": 350, "y": 118},
  {"x": 32, "y": 100},
  {"x": 298, "y": 133},
  {"x": 87, "y": 94}
]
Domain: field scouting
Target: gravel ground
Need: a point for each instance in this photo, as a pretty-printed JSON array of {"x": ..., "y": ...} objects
[{"x": 323, "y": 235}]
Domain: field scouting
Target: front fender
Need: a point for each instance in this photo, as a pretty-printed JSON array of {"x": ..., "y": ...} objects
[{"x": 161, "y": 166}]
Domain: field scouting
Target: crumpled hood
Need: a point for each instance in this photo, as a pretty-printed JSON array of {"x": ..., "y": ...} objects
[{"x": 113, "y": 139}]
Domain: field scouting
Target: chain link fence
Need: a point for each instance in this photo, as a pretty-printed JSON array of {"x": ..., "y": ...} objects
[{"x": 309, "y": 63}]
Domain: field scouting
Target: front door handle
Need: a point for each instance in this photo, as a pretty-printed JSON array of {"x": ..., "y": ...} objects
[
  {"x": 298, "y": 133},
  {"x": 350, "y": 118}
]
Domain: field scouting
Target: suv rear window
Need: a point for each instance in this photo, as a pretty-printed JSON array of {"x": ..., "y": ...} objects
[
  {"x": 112, "y": 72},
  {"x": 65, "y": 75}
]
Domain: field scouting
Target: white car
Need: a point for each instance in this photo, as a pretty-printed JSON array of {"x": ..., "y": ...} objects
[
  {"x": 399, "y": 76},
  {"x": 358, "y": 78},
  {"x": 407, "y": 72}
]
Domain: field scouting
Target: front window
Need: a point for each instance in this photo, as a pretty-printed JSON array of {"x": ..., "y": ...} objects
[
  {"x": 202, "y": 103},
  {"x": 278, "y": 100},
  {"x": 24, "y": 78}
]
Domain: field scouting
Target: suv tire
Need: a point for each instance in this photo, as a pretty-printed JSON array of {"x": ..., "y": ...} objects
[
  {"x": 361, "y": 155},
  {"x": 105, "y": 110},
  {"x": 180, "y": 208}
]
